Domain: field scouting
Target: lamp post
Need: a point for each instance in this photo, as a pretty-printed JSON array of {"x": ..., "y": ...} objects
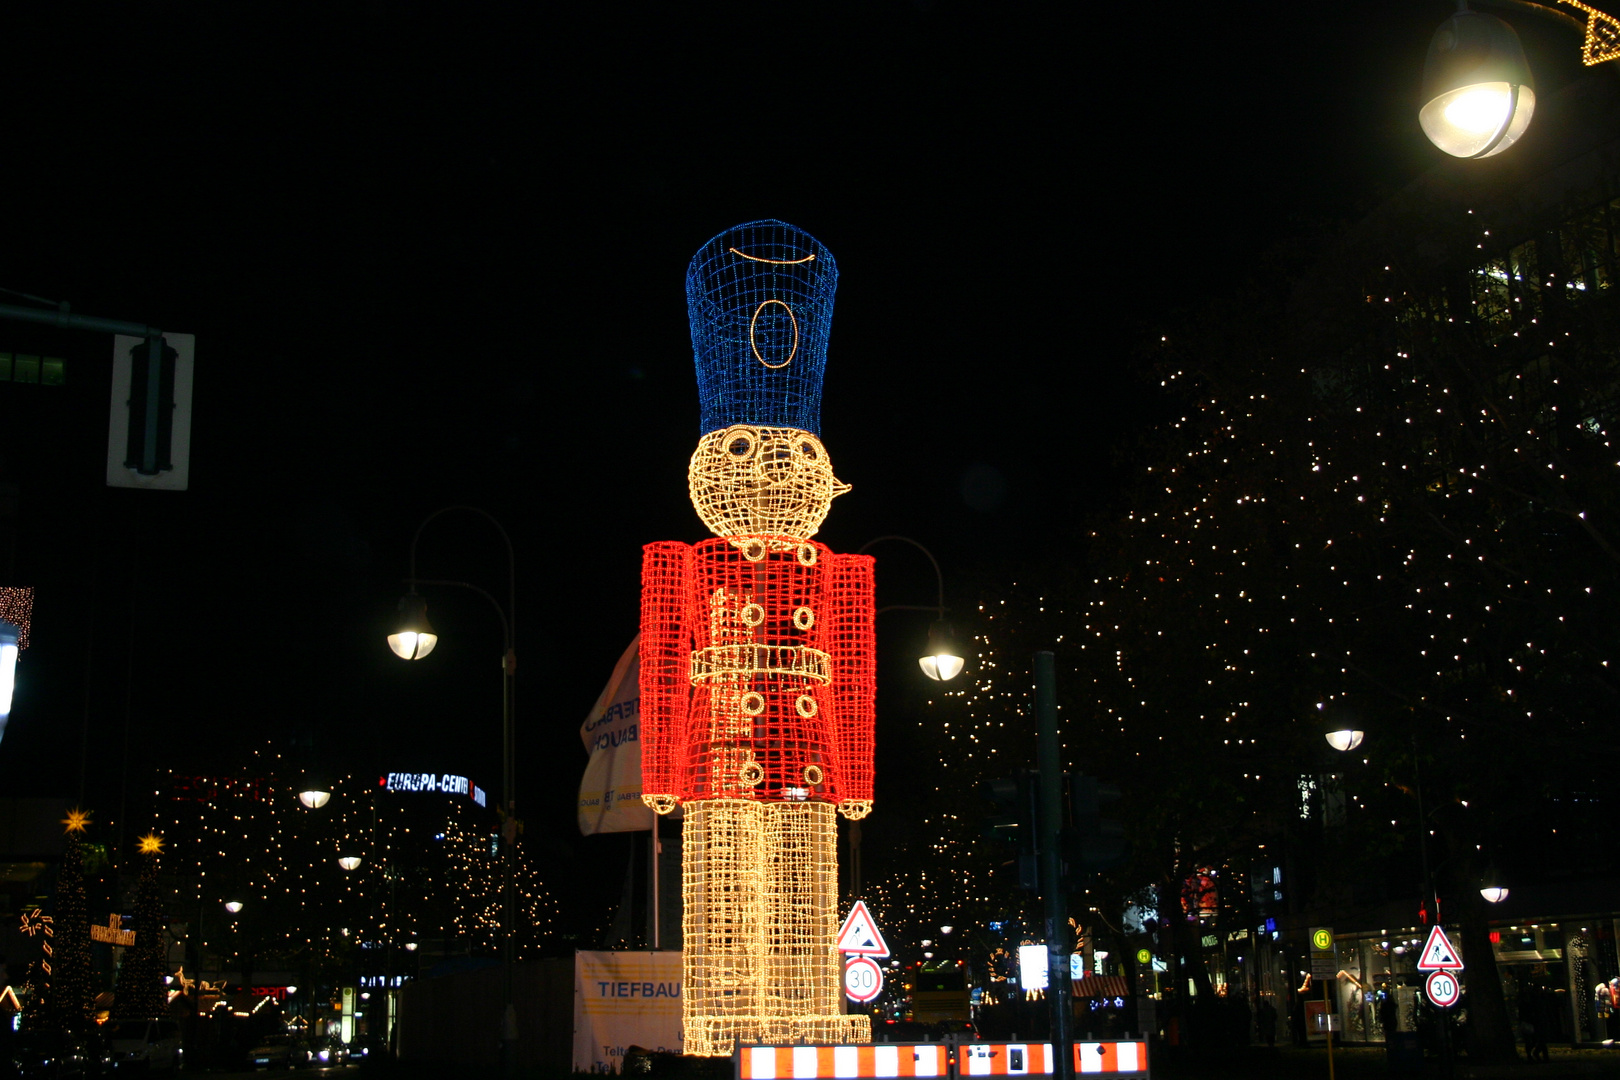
[
  {"x": 413, "y": 638},
  {"x": 1344, "y": 732},
  {"x": 942, "y": 661},
  {"x": 1478, "y": 93}
]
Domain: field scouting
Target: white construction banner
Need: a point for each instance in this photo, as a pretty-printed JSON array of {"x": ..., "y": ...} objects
[
  {"x": 624, "y": 999},
  {"x": 610, "y": 793}
]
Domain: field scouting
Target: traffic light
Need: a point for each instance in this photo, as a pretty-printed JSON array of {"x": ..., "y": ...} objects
[
  {"x": 1011, "y": 822},
  {"x": 1092, "y": 842}
]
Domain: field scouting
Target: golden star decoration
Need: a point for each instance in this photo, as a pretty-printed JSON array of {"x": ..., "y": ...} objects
[
  {"x": 151, "y": 844},
  {"x": 76, "y": 820}
]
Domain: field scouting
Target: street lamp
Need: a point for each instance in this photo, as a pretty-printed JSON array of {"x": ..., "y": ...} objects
[
  {"x": 316, "y": 794},
  {"x": 412, "y": 639},
  {"x": 1341, "y": 727},
  {"x": 413, "y": 636},
  {"x": 233, "y": 906},
  {"x": 1491, "y": 887},
  {"x": 1477, "y": 92},
  {"x": 1478, "y": 95},
  {"x": 348, "y": 860},
  {"x": 942, "y": 660}
]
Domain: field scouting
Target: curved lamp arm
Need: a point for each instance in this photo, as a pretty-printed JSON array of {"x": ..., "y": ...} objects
[
  {"x": 939, "y": 578},
  {"x": 509, "y": 615}
]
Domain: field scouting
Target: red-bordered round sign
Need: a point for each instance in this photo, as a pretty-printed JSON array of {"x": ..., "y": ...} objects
[
  {"x": 1443, "y": 988},
  {"x": 863, "y": 979}
]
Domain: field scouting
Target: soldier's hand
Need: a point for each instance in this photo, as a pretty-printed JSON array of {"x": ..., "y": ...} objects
[
  {"x": 661, "y": 804},
  {"x": 854, "y": 809}
]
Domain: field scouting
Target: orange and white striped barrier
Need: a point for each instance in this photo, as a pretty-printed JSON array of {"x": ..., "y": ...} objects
[
  {"x": 1119, "y": 1059},
  {"x": 865, "y": 1061}
]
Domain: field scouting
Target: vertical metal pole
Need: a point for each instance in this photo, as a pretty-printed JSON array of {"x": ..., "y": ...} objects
[
  {"x": 1327, "y": 1015},
  {"x": 1049, "y": 826},
  {"x": 509, "y": 859},
  {"x": 656, "y": 927}
]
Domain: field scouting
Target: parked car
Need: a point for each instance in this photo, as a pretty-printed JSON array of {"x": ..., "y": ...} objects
[
  {"x": 46, "y": 1054},
  {"x": 275, "y": 1052},
  {"x": 141, "y": 1045}
]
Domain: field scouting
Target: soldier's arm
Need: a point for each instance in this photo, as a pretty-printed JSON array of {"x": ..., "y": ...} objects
[
  {"x": 852, "y": 648},
  {"x": 665, "y": 660}
]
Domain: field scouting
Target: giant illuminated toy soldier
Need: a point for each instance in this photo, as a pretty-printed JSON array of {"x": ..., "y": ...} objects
[{"x": 757, "y": 658}]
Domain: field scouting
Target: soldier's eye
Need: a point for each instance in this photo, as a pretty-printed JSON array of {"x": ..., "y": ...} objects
[
  {"x": 808, "y": 450},
  {"x": 739, "y": 443}
]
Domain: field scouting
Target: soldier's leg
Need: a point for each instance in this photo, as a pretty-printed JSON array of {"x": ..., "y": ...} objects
[
  {"x": 803, "y": 999},
  {"x": 721, "y": 924}
]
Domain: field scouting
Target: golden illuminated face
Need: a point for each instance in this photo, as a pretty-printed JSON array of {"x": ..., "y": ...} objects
[{"x": 762, "y": 481}]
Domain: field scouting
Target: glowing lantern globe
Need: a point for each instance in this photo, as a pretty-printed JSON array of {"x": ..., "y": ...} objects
[{"x": 1477, "y": 92}]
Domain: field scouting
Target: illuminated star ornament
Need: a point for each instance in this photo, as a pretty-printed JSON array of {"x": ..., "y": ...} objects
[
  {"x": 76, "y": 820},
  {"x": 1602, "y": 35},
  {"x": 151, "y": 844}
]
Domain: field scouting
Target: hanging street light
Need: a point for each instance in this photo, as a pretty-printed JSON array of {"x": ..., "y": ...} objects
[
  {"x": 233, "y": 906},
  {"x": 1491, "y": 887},
  {"x": 1477, "y": 92},
  {"x": 413, "y": 636},
  {"x": 1342, "y": 726},
  {"x": 943, "y": 661},
  {"x": 316, "y": 793}
]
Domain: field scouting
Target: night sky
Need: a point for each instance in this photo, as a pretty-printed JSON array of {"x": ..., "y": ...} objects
[{"x": 437, "y": 257}]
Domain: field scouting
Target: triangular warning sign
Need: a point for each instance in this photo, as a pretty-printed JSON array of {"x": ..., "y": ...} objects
[
  {"x": 1438, "y": 955},
  {"x": 860, "y": 933}
]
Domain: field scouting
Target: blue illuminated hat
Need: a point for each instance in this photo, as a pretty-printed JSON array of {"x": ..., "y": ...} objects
[{"x": 759, "y": 297}]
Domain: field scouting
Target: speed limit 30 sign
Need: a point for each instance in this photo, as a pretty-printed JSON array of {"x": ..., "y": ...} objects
[
  {"x": 863, "y": 979},
  {"x": 1443, "y": 989}
]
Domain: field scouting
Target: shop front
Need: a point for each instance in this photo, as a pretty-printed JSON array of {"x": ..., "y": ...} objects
[{"x": 1560, "y": 976}]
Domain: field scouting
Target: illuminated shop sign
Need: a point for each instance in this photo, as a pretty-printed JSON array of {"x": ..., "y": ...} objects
[{"x": 444, "y": 783}]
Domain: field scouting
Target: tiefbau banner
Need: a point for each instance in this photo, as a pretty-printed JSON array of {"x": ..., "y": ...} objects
[{"x": 624, "y": 999}]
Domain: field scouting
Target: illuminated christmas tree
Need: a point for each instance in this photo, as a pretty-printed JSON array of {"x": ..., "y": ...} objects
[
  {"x": 68, "y": 996},
  {"x": 140, "y": 992}
]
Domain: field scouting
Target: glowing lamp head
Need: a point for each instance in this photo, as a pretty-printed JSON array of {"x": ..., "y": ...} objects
[
  {"x": 315, "y": 796},
  {"x": 348, "y": 861},
  {"x": 943, "y": 660},
  {"x": 233, "y": 906},
  {"x": 1345, "y": 738},
  {"x": 410, "y": 946},
  {"x": 413, "y": 636},
  {"x": 1477, "y": 92},
  {"x": 1491, "y": 887}
]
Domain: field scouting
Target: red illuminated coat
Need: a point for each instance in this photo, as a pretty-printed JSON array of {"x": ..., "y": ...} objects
[{"x": 757, "y": 671}]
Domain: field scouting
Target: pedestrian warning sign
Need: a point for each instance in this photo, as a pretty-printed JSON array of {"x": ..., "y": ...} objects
[
  {"x": 1438, "y": 955},
  {"x": 860, "y": 933}
]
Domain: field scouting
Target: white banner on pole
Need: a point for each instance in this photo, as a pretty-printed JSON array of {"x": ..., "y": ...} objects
[
  {"x": 610, "y": 792},
  {"x": 624, "y": 999}
]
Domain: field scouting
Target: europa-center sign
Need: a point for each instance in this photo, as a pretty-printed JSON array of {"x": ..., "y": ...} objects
[{"x": 443, "y": 783}]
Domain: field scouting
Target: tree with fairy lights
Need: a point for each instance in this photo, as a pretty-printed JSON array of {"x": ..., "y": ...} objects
[
  {"x": 140, "y": 991},
  {"x": 68, "y": 996},
  {"x": 472, "y": 875},
  {"x": 1391, "y": 496}
]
